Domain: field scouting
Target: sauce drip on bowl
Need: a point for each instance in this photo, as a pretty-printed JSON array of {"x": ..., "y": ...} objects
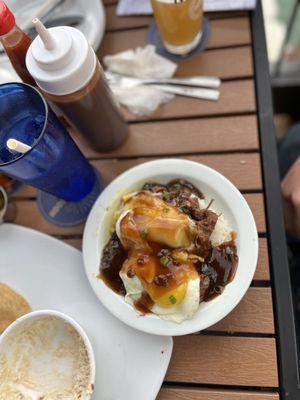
[
  {"x": 220, "y": 268},
  {"x": 112, "y": 260},
  {"x": 144, "y": 303}
]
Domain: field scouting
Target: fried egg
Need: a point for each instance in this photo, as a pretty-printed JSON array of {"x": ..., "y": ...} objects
[
  {"x": 178, "y": 312},
  {"x": 174, "y": 292}
]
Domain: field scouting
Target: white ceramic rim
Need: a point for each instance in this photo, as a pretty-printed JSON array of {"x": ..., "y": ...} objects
[
  {"x": 4, "y": 209},
  {"x": 43, "y": 313},
  {"x": 247, "y": 238}
]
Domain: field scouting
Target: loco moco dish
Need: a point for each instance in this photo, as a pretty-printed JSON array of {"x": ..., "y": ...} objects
[{"x": 168, "y": 251}]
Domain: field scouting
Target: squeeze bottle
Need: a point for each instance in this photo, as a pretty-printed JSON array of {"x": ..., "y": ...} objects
[{"x": 66, "y": 69}]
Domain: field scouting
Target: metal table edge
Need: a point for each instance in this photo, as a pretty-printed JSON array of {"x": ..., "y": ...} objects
[{"x": 280, "y": 275}]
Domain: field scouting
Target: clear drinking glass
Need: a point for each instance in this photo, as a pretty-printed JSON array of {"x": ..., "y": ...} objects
[{"x": 179, "y": 23}]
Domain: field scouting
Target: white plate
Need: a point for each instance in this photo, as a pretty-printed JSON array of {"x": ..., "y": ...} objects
[
  {"x": 50, "y": 275},
  {"x": 92, "y": 26},
  {"x": 228, "y": 200}
]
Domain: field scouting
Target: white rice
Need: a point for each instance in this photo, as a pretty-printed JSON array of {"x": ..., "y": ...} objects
[{"x": 222, "y": 231}]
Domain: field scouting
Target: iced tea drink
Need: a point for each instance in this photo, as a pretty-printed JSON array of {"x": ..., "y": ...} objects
[{"x": 179, "y": 23}]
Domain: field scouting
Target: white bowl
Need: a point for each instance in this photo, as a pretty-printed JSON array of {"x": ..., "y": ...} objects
[
  {"x": 52, "y": 357},
  {"x": 227, "y": 199}
]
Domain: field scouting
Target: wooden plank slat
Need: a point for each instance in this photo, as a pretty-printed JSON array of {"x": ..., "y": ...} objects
[
  {"x": 177, "y": 393},
  {"x": 254, "y": 314},
  {"x": 219, "y": 63},
  {"x": 262, "y": 272},
  {"x": 225, "y": 360},
  {"x": 77, "y": 243},
  {"x": 235, "y": 97},
  {"x": 113, "y": 22},
  {"x": 224, "y": 33},
  {"x": 242, "y": 169},
  {"x": 256, "y": 203},
  {"x": 204, "y": 135},
  {"x": 28, "y": 215}
]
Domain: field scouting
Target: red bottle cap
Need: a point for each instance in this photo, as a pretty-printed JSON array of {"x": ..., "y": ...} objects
[{"x": 7, "y": 19}]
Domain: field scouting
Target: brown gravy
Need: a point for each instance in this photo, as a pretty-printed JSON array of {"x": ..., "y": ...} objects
[
  {"x": 144, "y": 303},
  {"x": 220, "y": 268},
  {"x": 112, "y": 260},
  {"x": 160, "y": 273}
]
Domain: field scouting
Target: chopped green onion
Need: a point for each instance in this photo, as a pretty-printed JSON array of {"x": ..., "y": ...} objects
[
  {"x": 144, "y": 234},
  {"x": 172, "y": 299},
  {"x": 165, "y": 261},
  {"x": 166, "y": 195}
]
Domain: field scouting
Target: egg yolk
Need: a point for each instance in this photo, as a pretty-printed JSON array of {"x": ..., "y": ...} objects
[
  {"x": 173, "y": 297},
  {"x": 165, "y": 284}
]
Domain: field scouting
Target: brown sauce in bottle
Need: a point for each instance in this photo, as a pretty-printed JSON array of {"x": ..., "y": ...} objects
[
  {"x": 16, "y": 44},
  {"x": 93, "y": 111}
]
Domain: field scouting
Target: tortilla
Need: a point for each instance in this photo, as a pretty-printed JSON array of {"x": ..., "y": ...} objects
[{"x": 12, "y": 306}]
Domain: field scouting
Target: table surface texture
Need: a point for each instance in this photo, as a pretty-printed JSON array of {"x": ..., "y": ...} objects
[{"x": 235, "y": 359}]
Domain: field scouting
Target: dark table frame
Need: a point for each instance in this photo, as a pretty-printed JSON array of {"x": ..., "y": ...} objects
[{"x": 282, "y": 295}]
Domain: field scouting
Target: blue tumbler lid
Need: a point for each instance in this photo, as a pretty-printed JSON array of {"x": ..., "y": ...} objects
[{"x": 67, "y": 213}]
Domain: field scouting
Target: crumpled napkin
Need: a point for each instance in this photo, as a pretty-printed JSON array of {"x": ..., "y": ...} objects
[
  {"x": 141, "y": 100},
  {"x": 143, "y": 62},
  {"x": 140, "y": 63}
]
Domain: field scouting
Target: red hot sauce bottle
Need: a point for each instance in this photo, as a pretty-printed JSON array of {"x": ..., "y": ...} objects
[{"x": 15, "y": 43}]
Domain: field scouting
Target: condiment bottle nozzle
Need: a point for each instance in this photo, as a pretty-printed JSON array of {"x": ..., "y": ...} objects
[{"x": 44, "y": 34}]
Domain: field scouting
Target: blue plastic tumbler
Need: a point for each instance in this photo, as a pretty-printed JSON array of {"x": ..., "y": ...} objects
[{"x": 54, "y": 164}]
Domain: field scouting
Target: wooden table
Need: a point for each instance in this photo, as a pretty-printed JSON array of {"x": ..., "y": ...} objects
[{"x": 235, "y": 359}]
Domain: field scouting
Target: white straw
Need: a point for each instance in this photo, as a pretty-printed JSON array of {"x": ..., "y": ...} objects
[{"x": 17, "y": 146}]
